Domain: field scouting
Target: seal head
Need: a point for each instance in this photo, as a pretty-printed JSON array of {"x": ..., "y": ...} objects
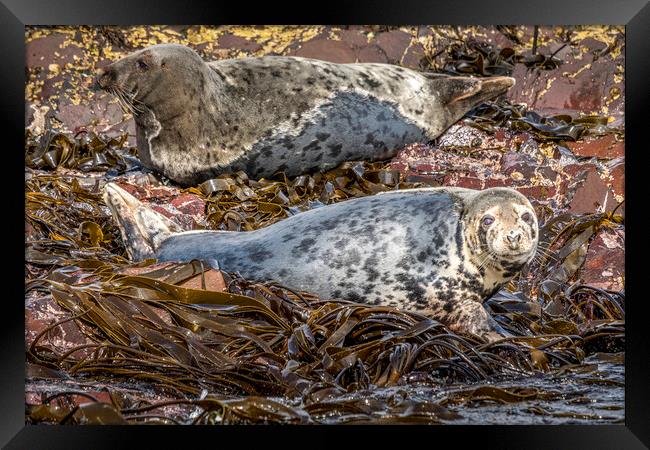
[
  {"x": 501, "y": 231},
  {"x": 171, "y": 93}
]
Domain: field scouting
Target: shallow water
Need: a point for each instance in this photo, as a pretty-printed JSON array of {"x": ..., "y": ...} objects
[
  {"x": 591, "y": 397},
  {"x": 591, "y": 393},
  {"x": 583, "y": 398}
]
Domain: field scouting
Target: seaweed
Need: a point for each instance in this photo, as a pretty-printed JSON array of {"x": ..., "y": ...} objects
[
  {"x": 85, "y": 151},
  {"x": 237, "y": 203},
  {"x": 489, "y": 116},
  {"x": 478, "y": 58}
]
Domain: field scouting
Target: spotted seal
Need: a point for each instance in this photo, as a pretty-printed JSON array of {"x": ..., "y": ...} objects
[
  {"x": 440, "y": 251},
  {"x": 195, "y": 120}
]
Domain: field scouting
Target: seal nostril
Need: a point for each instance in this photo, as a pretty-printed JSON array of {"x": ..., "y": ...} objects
[
  {"x": 513, "y": 240},
  {"x": 104, "y": 76}
]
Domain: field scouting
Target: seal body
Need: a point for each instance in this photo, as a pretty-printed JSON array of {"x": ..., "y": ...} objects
[
  {"x": 428, "y": 250},
  {"x": 195, "y": 120}
]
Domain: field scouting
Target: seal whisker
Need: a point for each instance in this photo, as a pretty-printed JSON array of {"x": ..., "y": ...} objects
[
  {"x": 489, "y": 255},
  {"x": 546, "y": 254},
  {"x": 125, "y": 105},
  {"x": 127, "y": 101},
  {"x": 135, "y": 103},
  {"x": 120, "y": 101}
]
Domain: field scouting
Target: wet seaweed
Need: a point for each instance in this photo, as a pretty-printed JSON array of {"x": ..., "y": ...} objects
[
  {"x": 479, "y": 58},
  {"x": 237, "y": 203},
  {"x": 85, "y": 151},
  {"x": 489, "y": 116}
]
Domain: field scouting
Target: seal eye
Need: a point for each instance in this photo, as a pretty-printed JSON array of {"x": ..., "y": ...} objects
[
  {"x": 142, "y": 65},
  {"x": 526, "y": 217},
  {"x": 487, "y": 221}
]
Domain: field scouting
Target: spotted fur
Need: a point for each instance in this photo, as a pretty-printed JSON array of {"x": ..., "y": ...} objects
[
  {"x": 416, "y": 249},
  {"x": 271, "y": 113}
]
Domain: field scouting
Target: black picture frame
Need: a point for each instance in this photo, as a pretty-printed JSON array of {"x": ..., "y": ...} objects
[{"x": 16, "y": 14}]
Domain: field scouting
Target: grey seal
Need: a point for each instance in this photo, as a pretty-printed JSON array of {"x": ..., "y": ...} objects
[
  {"x": 196, "y": 120},
  {"x": 439, "y": 251}
]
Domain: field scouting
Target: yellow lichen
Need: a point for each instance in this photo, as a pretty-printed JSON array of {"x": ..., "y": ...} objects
[{"x": 577, "y": 72}]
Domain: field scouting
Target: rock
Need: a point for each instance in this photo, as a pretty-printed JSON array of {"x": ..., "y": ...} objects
[
  {"x": 413, "y": 56},
  {"x": 327, "y": 50},
  {"x": 371, "y": 54},
  {"x": 104, "y": 392},
  {"x": 354, "y": 38},
  {"x": 608, "y": 146},
  {"x": 213, "y": 281},
  {"x": 42, "y": 311},
  {"x": 583, "y": 83},
  {"x": 593, "y": 195},
  {"x": 604, "y": 265},
  {"x": 37, "y": 119},
  {"x": 617, "y": 173},
  {"x": 471, "y": 158},
  {"x": 104, "y": 116},
  {"x": 43, "y": 51},
  {"x": 522, "y": 163},
  {"x": 230, "y": 41},
  {"x": 394, "y": 44}
]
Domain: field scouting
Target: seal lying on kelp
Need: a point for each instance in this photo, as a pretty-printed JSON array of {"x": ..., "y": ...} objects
[
  {"x": 439, "y": 251},
  {"x": 195, "y": 120}
]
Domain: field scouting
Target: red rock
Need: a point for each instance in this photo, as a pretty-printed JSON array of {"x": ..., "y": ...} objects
[
  {"x": 500, "y": 135},
  {"x": 213, "y": 281},
  {"x": 187, "y": 210},
  {"x": 186, "y": 221},
  {"x": 139, "y": 192},
  {"x": 394, "y": 44},
  {"x": 604, "y": 265},
  {"x": 35, "y": 393},
  {"x": 541, "y": 193},
  {"x": 423, "y": 167},
  {"x": 40, "y": 52},
  {"x": 371, "y": 54},
  {"x": 607, "y": 146},
  {"x": 189, "y": 204},
  {"x": 413, "y": 56},
  {"x": 592, "y": 194},
  {"x": 618, "y": 179},
  {"x": 578, "y": 169},
  {"x": 355, "y": 38},
  {"x": 466, "y": 182},
  {"x": 101, "y": 115},
  {"x": 229, "y": 41},
  {"x": 100, "y": 396},
  {"x": 512, "y": 162},
  {"x": 571, "y": 89},
  {"x": 333, "y": 51},
  {"x": 497, "y": 182},
  {"x": 43, "y": 311}
]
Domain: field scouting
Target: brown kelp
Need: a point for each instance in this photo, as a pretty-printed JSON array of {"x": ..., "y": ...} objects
[
  {"x": 490, "y": 116},
  {"x": 478, "y": 58}
]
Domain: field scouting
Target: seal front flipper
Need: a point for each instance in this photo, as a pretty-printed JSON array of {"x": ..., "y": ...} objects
[
  {"x": 142, "y": 229},
  {"x": 471, "y": 317}
]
